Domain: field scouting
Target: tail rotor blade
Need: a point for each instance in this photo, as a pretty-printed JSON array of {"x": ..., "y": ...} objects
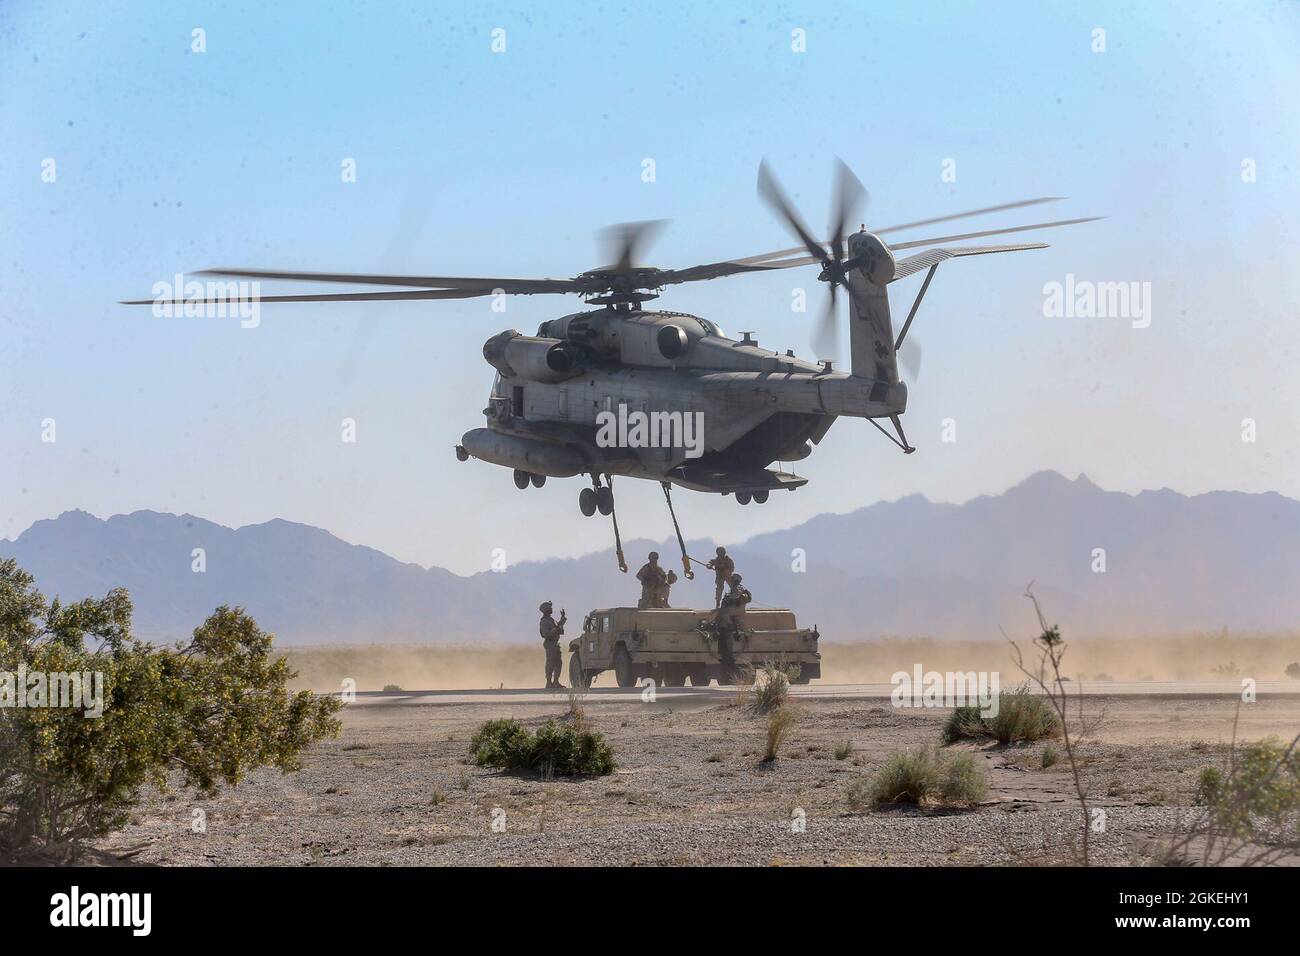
[
  {"x": 772, "y": 193},
  {"x": 825, "y": 338},
  {"x": 849, "y": 196},
  {"x": 909, "y": 356}
]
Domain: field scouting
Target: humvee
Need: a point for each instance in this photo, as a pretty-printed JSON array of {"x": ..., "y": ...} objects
[{"x": 672, "y": 645}]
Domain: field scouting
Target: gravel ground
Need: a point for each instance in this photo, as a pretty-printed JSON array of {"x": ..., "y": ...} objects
[{"x": 396, "y": 788}]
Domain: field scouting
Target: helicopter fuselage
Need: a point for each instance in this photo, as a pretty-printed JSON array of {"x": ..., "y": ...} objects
[{"x": 664, "y": 396}]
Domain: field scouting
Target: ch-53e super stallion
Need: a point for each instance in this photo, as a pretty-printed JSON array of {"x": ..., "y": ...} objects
[{"x": 595, "y": 392}]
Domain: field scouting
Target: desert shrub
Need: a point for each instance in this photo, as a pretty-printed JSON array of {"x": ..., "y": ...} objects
[
  {"x": 1021, "y": 715},
  {"x": 962, "y": 723},
  {"x": 843, "y": 750},
  {"x": 1258, "y": 796},
  {"x": 211, "y": 710},
  {"x": 1293, "y": 670},
  {"x": 501, "y": 743},
  {"x": 963, "y": 782},
  {"x": 1024, "y": 716},
  {"x": 392, "y": 689},
  {"x": 923, "y": 776},
  {"x": 772, "y": 687},
  {"x": 1051, "y": 757},
  {"x": 555, "y": 750},
  {"x": 779, "y": 722}
]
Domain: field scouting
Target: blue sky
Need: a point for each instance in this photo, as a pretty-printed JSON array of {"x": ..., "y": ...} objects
[{"x": 475, "y": 162}]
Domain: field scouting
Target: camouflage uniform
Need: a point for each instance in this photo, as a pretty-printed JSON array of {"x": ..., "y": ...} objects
[
  {"x": 723, "y": 568},
  {"x": 669, "y": 581},
  {"x": 729, "y": 617},
  {"x": 653, "y": 581},
  {"x": 551, "y": 631}
]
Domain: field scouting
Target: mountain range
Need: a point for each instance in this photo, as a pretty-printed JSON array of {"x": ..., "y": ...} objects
[{"x": 1103, "y": 562}]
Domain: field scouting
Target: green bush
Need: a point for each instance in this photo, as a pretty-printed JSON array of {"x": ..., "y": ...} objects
[
  {"x": 1021, "y": 715},
  {"x": 924, "y": 776},
  {"x": 555, "y": 750},
  {"x": 1259, "y": 795},
  {"x": 211, "y": 710}
]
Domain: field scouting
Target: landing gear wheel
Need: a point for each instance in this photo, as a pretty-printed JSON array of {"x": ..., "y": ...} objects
[
  {"x": 587, "y": 501},
  {"x": 742, "y": 497},
  {"x": 604, "y": 500},
  {"x": 578, "y": 679},
  {"x": 521, "y": 479},
  {"x": 760, "y": 497},
  {"x": 461, "y": 453},
  {"x": 537, "y": 480},
  {"x": 623, "y": 668}
]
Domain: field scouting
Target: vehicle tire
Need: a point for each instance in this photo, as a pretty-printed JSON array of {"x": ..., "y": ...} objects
[
  {"x": 579, "y": 679},
  {"x": 673, "y": 676},
  {"x": 537, "y": 480},
  {"x": 623, "y": 672},
  {"x": 699, "y": 677},
  {"x": 587, "y": 501},
  {"x": 743, "y": 497},
  {"x": 605, "y": 500},
  {"x": 521, "y": 479},
  {"x": 760, "y": 497},
  {"x": 802, "y": 678}
]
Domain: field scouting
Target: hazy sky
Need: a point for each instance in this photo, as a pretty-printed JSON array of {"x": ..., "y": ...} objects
[{"x": 474, "y": 162}]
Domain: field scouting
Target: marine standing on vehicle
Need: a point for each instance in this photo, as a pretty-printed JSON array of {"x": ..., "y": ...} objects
[
  {"x": 723, "y": 568},
  {"x": 653, "y": 582}
]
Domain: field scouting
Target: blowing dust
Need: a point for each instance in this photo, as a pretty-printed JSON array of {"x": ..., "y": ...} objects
[{"x": 1188, "y": 658}]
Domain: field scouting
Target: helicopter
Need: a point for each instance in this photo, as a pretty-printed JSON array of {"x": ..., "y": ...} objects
[{"x": 623, "y": 390}]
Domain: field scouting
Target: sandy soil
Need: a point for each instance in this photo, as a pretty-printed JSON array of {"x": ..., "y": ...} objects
[{"x": 397, "y": 788}]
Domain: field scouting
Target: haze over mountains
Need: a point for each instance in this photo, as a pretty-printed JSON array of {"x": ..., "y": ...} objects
[{"x": 911, "y": 567}]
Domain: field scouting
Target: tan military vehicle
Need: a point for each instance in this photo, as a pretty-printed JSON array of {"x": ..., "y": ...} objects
[{"x": 670, "y": 645}]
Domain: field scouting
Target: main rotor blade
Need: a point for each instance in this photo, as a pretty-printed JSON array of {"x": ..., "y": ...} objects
[
  {"x": 912, "y": 244},
  {"x": 624, "y": 240},
  {"x": 404, "y": 295},
  {"x": 849, "y": 195},
  {"x": 510, "y": 286},
  {"x": 767, "y": 256},
  {"x": 775, "y": 196},
  {"x": 970, "y": 212}
]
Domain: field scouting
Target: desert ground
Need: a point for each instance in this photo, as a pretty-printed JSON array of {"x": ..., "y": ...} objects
[{"x": 397, "y": 786}]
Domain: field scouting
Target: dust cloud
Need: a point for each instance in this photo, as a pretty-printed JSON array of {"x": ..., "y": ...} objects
[{"x": 1185, "y": 658}]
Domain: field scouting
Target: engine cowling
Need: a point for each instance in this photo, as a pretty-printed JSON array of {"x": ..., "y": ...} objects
[
  {"x": 532, "y": 357},
  {"x": 878, "y": 265}
]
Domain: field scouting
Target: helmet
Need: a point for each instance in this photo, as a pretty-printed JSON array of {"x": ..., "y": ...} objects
[
  {"x": 545, "y": 607},
  {"x": 721, "y": 550},
  {"x": 736, "y": 579},
  {"x": 654, "y": 555}
]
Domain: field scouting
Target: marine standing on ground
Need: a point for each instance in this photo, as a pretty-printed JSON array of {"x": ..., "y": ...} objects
[{"x": 551, "y": 631}]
